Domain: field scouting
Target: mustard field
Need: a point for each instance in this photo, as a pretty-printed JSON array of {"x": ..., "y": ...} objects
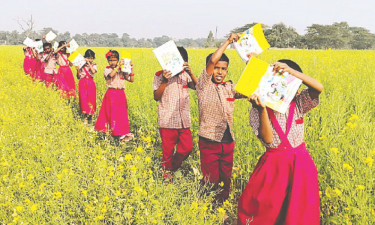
[{"x": 56, "y": 170}]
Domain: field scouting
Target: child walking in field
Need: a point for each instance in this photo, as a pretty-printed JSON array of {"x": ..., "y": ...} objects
[
  {"x": 65, "y": 74},
  {"x": 29, "y": 62},
  {"x": 48, "y": 60},
  {"x": 216, "y": 104},
  {"x": 113, "y": 114},
  {"x": 87, "y": 87},
  {"x": 172, "y": 93},
  {"x": 283, "y": 188}
]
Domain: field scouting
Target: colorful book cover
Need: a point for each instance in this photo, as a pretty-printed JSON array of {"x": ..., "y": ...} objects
[
  {"x": 126, "y": 68},
  {"x": 77, "y": 59},
  {"x": 38, "y": 46},
  {"x": 50, "y": 36},
  {"x": 251, "y": 40},
  {"x": 276, "y": 90},
  {"x": 73, "y": 46},
  {"x": 169, "y": 57}
]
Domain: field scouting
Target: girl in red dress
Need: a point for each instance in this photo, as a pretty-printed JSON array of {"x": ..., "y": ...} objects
[
  {"x": 113, "y": 114},
  {"x": 283, "y": 188}
]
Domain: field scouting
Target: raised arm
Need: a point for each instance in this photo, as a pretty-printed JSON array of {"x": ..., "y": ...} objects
[
  {"x": 315, "y": 87},
  {"x": 265, "y": 129},
  {"x": 218, "y": 53}
]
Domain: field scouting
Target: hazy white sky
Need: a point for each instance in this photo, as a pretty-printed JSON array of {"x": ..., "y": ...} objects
[{"x": 179, "y": 19}]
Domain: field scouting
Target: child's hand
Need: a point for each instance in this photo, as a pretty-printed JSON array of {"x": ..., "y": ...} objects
[
  {"x": 234, "y": 37},
  {"x": 187, "y": 68},
  {"x": 121, "y": 62},
  {"x": 256, "y": 102},
  {"x": 251, "y": 54},
  {"x": 167, "y": 74},
  {"x": 67, "y": 45},
  {"x": 77, "y": 68},
  {"x": 282, "y": 68}
]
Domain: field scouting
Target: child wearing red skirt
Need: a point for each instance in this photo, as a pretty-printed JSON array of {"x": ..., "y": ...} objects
[
  {"x": 29, "y": 62},
  {"x": 172, "y": 93},
  {"x": 283, "y": 188},
  {"x": 87, "y": 87},
  {"x": 113, "y": 114},
  {"x": 64, "y": 79}
]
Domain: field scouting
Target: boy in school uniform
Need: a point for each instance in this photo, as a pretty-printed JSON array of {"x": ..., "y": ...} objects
[
  {"x": 172, "y": 93},
  {"x": 49, "y": 59},
  {"x": 216, "y": 104}
]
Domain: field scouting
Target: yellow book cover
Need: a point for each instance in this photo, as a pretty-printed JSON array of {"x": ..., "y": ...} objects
[
  {"x": 251, "y": 76},
  {"x": 251, "y": 41}
]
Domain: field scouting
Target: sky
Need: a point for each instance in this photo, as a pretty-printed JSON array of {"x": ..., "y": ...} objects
[{"x": 181, "y": 19}]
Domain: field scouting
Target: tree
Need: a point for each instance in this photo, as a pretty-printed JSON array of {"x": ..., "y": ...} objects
[
  {"x": 210, "y": 41},
  {"x": 281, "y": 36},
  {"x": 361, "y": 38},
  {"x": 27, "y": 26}
]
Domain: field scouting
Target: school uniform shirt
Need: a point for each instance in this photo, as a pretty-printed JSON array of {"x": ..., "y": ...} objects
[
  {"x": 304, "y": 104},
  {"x": 62, "y": 59},
  {"x": 174, "y": 106},
  {"x": 50, "y": 64},
  {"x": 216, "y": 105},
  {"x": 82, "y": 72},
  {"x": 117, "y": 81}
]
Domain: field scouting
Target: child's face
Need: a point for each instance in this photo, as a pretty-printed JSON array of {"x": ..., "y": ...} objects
[
  {"x": 47, "y": 49},
  {"x": 112, "y": 61},
  {"x": 220, "y": 72},
  {"x": 90, "y": 59}
]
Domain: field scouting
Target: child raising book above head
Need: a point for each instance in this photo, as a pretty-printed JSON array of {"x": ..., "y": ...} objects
[
  {"x": 113, "y": 114},
  {"x": 283, "y": 188},
  {"x": 216, "y": 104},
  {"x": 65, "y": 73}
]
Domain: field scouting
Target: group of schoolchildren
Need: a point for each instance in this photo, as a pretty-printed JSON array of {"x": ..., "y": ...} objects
[
  {"x": 113, "y": 114},
  {"x": 283, "y": 188}
]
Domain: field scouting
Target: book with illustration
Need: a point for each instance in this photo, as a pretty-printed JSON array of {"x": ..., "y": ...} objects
[
  {"x": 126, "y": 67},
  {"x": 77, "y": 59},
  {"x": 73, "y": 46},
  {"x": 251, "y": 41},
  {"x": 276, "y": 90},
  {"x": 169, "y": 57}
]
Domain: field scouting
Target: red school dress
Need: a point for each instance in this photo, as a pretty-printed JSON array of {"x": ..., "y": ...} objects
[
  {"x": 87, "y": 90},
  {"x": 65, "y": 75},
  {"x": 113, "y": 114},
  {"x": 283, "y": 188},
  {"x": 29, "y": 62}
]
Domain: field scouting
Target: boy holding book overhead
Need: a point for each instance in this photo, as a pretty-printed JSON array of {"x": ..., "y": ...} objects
[
  {"x": 172, "y": 93},
  {"x": 216, "y": 104}
]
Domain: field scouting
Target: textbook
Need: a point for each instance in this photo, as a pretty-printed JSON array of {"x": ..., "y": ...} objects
[
  {"x": 77, "y": 59},
  {"x": 276, "y": 90},
  {"x": 126, "y": 68},
  {"x": 38, "y": 45},
  {"x": 55, "y": 45},
  {"x": 251, "y": 40},
  {"x": 50, "y": 36},
  {"x": 73, "y": 46},
  {"x": 169, "y": 57},
  {"x": 29, "y": 43}
]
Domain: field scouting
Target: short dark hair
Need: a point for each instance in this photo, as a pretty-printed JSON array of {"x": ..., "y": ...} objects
[
  {"x": 47, "y": 44},
  {"x": 222, "y": 58},
  {"x": 291, "y": 64},
  {"x": 183, "y": 53},
  {"x": 61, "y": 43},
  {"x": 89, "y": 53},
  {"x": 114, "y": 54},
  {"x": 37, "y": 39}
]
